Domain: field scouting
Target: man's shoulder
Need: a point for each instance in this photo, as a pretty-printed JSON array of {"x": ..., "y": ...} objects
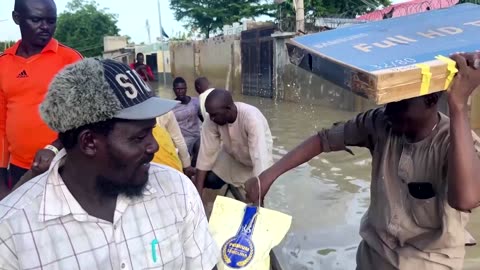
[
  {"x": 5, "y": 59},
  {"x": 247, "y": 107},
  {"x": 196, "y": 100},
  {"x": 250, "y": 111},
  {"x": 168, "y": 180},
  {"x": 69, "y": 53},
  {"x": 26, "y": 198}
]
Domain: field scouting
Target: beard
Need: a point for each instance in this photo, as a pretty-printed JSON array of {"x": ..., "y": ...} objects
[
  {"x": 131, "y": 188},
  {"x": 111, "y": 188}
]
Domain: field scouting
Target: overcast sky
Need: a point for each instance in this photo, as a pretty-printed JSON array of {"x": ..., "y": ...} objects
[{"x": 131, "y": 18}]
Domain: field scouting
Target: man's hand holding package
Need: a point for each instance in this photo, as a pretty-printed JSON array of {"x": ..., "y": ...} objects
[
  {"x": 467, "y": 78},
  {"x": 255, "y": 191}
]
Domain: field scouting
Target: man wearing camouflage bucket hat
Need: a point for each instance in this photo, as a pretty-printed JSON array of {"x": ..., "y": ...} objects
[{"x": 102, "y": 205}]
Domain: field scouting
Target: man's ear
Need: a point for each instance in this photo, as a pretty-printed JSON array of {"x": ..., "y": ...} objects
[
  {"x": 16, "y": 17},
  {"x": 87, "y": 141},
  {"x": 431, "y": 100}
]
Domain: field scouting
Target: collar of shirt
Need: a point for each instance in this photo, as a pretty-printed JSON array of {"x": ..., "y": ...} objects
[
  {"x": 57, "y": 201},
  {"x": 207, "y": 92},
  {"x": 52, "y": 46}
]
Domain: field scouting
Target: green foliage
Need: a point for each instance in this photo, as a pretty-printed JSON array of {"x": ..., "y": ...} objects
[
  {"x": 207, "y": 16},
  {"x": 338, "y": 8},
  {"x": 84, "y": 25},
  {"x": 469, "y": 1},
  {"x": 6, "y": 44},
  {"x": 325, "y": 8},
  {"x": 180, "y": 36}
]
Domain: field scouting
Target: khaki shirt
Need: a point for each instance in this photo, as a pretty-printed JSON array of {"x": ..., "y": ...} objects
[
  {"x": 237, "y": 151},
  {"x": 404, "y": 228}
]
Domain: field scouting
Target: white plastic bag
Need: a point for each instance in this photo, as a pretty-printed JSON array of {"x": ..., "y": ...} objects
[{"x": 246, "y": 234}]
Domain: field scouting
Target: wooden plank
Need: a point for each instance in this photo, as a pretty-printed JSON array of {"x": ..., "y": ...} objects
[{"x": 378, "y": 60}]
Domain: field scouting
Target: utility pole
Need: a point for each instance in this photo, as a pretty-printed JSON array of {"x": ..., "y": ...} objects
[
  {"x": 161, "y": 46},
  {"x": 147, "y": 25},
  {"x": 300, "y": 16}
]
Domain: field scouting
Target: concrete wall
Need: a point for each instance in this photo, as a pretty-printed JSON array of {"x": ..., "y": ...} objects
[
  {"x": 112, "y": 43},
  {"x": 218, "y": 59},
  {"x": 182, "y": 62},
  {"x": 294, "y": 84},
  {"x": 166, "y": 55}
]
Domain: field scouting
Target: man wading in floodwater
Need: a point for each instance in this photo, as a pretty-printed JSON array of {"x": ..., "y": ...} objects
[{"x": 424, "y": 177}]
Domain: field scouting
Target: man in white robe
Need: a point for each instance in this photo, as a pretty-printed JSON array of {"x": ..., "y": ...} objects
[{"x": 236, "y": 143}]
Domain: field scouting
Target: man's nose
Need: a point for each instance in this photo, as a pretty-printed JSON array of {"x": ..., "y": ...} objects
[
  {"x": 152, "y": 146},
  {"x": 43, "y": 25}
]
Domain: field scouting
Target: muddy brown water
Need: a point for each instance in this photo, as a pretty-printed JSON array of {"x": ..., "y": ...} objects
[{"x": 327, "y": 196}]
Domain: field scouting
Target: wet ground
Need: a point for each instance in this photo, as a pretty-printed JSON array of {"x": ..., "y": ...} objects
[{"x": 326, "y": 197}]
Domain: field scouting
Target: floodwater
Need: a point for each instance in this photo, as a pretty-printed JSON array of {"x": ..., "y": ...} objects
[{"x": 327, "y": 196}]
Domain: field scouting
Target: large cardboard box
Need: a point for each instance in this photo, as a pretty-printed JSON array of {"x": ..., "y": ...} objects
[{"x": 379, "y": 60}]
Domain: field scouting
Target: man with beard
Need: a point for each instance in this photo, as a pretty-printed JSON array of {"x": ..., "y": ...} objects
[
  {"x": 236, "y": 143},
  {"x": 425, "y": 176},
  {"x": 102, "y": 205},
  {"x": 26, "y": 70}
]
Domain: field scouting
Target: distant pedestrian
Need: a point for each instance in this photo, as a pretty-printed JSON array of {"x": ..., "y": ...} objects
[
  {"x": 188, "y": 115},
  {"x": 143, "y": 69}
]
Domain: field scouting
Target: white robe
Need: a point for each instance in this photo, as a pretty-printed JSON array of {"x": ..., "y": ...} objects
[{"x": 245, "y": 146}]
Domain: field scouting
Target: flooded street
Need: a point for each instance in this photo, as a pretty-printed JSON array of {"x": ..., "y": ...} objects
[{"x": 326, "y": 197}]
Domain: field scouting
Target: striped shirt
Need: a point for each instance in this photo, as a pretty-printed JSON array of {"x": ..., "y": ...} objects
[{"x": 42, "y": 226}]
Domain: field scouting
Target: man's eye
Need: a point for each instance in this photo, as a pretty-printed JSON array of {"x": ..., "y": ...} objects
[
  {"x": 35, "y": 20},
  {"x": 138, "y": 138},
  {"x": 141, "y": 137}
]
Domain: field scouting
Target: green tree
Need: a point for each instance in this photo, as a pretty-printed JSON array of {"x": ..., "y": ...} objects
[
  {"x": 84, "y": 25},
  {"x": 210, "y": 15},
  {"x": 469, "y": 1},
  {"x": 340, "y": 8},
  {"x": 5, "y": 45},
  {"x": 328, "y": 8}
]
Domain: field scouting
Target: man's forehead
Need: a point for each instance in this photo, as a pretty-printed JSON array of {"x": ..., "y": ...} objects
[
  {"x": 39, "y": 8},
  {"x": 125, "y": 128},
  {"x": 180, "y": 85}
]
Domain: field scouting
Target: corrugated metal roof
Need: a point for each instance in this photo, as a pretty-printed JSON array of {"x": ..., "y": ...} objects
[{"x": 407, "y": 8}]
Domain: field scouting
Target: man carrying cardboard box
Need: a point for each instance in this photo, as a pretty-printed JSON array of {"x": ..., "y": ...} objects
[{"x": 424, "y": 176}]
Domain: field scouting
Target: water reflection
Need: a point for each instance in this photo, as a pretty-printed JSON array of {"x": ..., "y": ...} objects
[{"x": 326, "y": 197}]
